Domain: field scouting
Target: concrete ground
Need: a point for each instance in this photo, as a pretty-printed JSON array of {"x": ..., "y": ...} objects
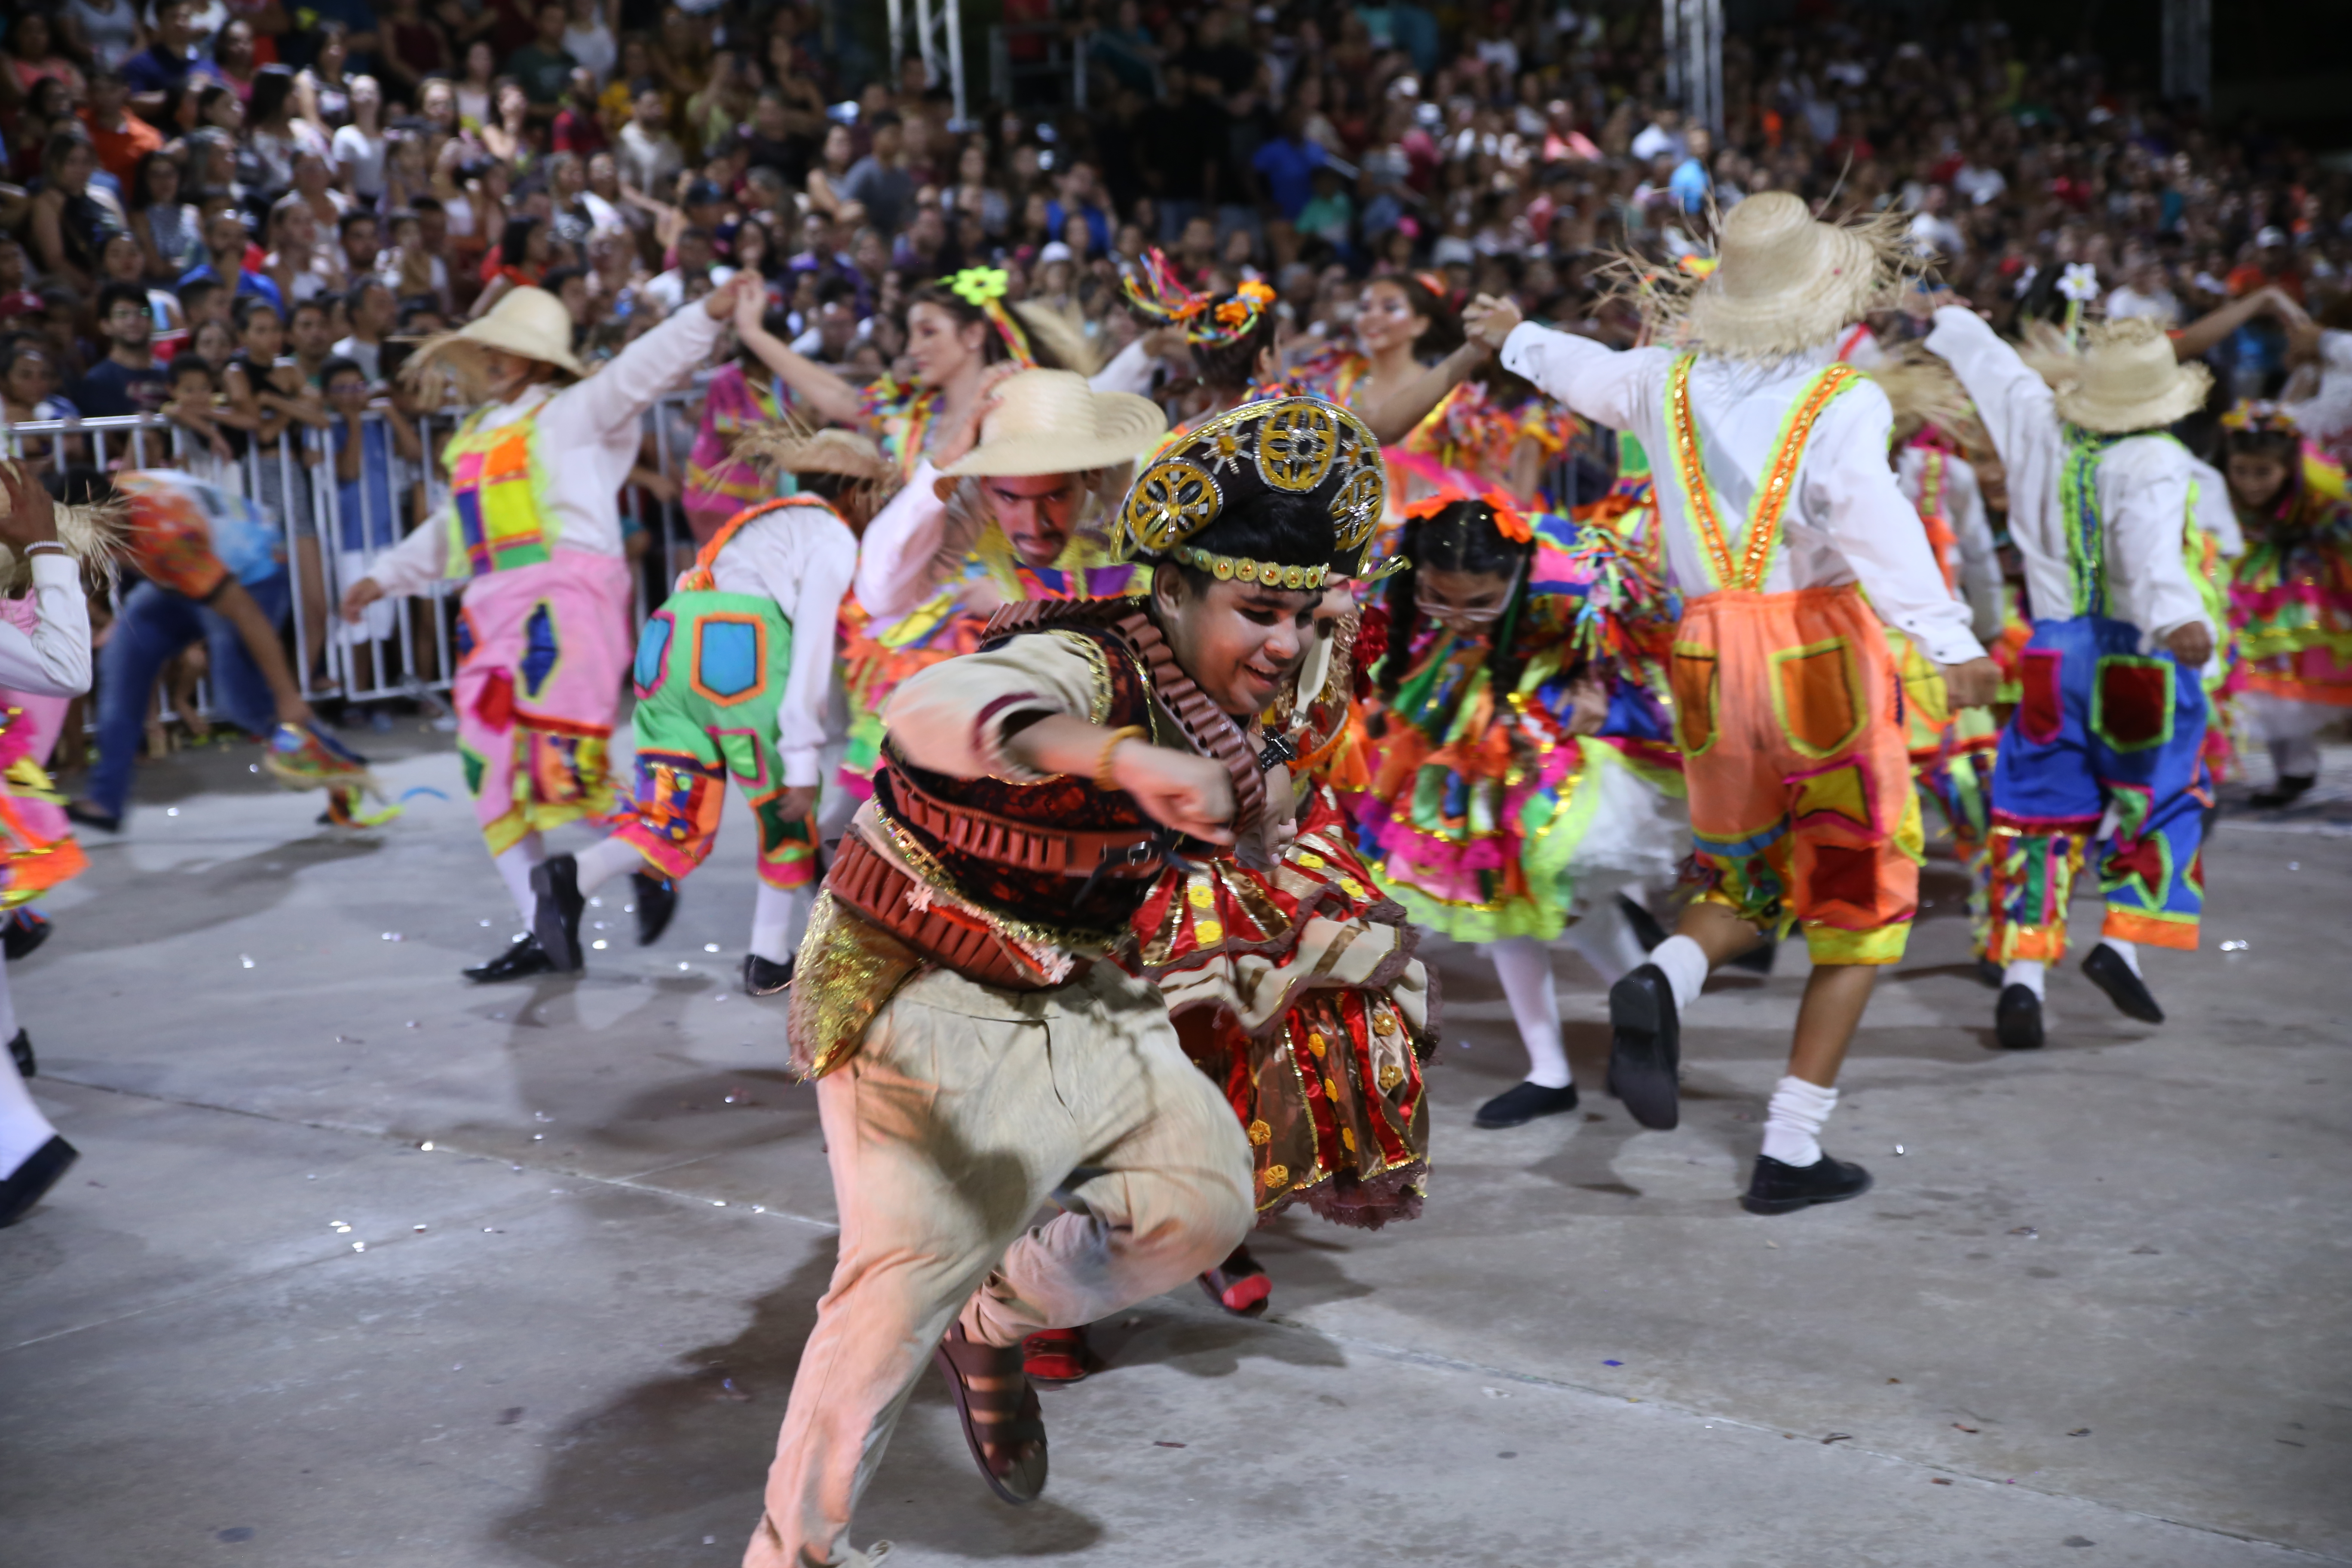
[{"x": 2093, "y": 1312}]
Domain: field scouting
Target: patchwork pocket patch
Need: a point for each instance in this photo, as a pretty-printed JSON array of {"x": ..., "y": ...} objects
[
  {"x": 2041, "y": 709},
  {"x": 2131, "y": 702},
  {"x": 1817, "y": 696},
  {"x": 1692, "y": 674}
]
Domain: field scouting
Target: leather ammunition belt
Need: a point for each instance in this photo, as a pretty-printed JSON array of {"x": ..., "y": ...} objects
[
  {"x": 1129, "y": 852},
  {"x": 877, "y": 889}
]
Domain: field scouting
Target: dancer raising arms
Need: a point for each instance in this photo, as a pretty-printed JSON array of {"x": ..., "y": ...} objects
[
  {"x": 2113, "y": 715},
  {"x": 1398, "y": 318},
  {"x": 1799, "y": 781},
  {"x": 534, "y": 529}
]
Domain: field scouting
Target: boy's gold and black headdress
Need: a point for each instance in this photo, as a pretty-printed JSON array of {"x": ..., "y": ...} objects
[{"x": 1295, "y": 445}]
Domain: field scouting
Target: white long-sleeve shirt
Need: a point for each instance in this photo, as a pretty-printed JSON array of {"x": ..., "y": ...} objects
[
  {"x": 2214, "y": 513},
  {"x": 53, "y": 658},
  {"x": 590, "y": 436},
  {"x": 1963, "y": 509},
  {"x": 904, "y": 555},
  {"x": 1847, "y": 522},
  {"x": 802, "y": 557},
  {"x": 2143, "y": 489}
]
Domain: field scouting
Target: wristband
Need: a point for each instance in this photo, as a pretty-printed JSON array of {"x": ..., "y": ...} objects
[
  {"x": 38, "y": 545},
  {"x": 1103, "y": 781}
]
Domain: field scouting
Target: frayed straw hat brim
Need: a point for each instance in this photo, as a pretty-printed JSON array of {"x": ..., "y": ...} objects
[{"x": 2186, "y": 393}]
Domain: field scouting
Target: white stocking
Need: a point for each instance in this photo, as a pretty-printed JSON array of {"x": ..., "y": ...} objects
[
  {"x": 1605, "y": 938},
  {"x": 780, "y": 920},
  {"x": 601, "y": 862},
  {"x": 514, "y": 864},
  {"x": 1524, "y": 965},
  {"x": 23, "y": 1128}
]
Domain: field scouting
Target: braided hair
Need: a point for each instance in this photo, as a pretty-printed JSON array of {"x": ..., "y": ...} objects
[
  {"x": 1230, "y": 369},
  {"x": 1459, "y": 537}
]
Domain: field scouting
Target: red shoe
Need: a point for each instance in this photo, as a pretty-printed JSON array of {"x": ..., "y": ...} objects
[
  {"x": 1055, "y": 1355},
  {"x": 1239, "y": 1285}
]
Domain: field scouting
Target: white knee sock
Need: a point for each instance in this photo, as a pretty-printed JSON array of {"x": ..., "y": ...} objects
[
  {"x": 514, "y": 864},
  {"x": 2126, "y": 951},
  {"x": 601, "y": 862},
  {"x": 1605, "y": 938},
  {"x": 2295, "y": 757},
  {"x": 2024, "y": 972},
  {"x": 780, "y": 919},
  {"x": 23, "y": 1128},
  {"x": 1524, "y": 965},
  {"x": 1792, "y": 1123},
  {"x": 1686, "y": 964}
]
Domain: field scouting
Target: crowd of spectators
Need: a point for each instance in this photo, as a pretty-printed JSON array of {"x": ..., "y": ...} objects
[{"x": 239, "y": 221}]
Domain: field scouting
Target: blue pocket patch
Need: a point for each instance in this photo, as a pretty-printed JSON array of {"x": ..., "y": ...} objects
[
  {"x": 727, "y": 659},
  {"x": 653, "y": 647}
]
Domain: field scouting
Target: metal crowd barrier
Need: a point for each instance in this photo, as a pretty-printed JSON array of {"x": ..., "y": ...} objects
[{"x": 327, "y": 552}]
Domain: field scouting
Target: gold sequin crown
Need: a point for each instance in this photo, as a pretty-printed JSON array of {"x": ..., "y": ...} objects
[{"x": 1300, "y": 446}]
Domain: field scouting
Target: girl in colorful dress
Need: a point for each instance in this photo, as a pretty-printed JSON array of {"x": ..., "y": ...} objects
[
  {"x": 2292, "y": 599},
  {"x": 1524, "y": 774}
]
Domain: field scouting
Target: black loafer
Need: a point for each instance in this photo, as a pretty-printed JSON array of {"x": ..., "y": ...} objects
[
  {"x": 2290, "y": 788},
  {"x": 521, "y": 961},
  {"x": 762, "y": 978},
  {"x": 1523, "y": 1103},
  {"x": 20, "y": 1051},
  {"x": 656, "y": 900},
  {"x": 28, "y": 928},
  {"x": 1776, "y": 1188},
  {"x": 35, "y": 1177},
  {"x": 2017, "y": 1019},
  {"x": 2127, "y": 991},
  {"x": 1645, "y": 1048}
]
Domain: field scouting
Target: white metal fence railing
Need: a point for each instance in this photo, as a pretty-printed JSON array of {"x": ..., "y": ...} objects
[{"x": 333, "y": 530}]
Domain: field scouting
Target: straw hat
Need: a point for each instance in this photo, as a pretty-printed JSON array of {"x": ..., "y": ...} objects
[
  {"x": 527, "y": 321},
  {"x": 2125, "y": 378},
  {"x": 1784, "y": 281},
  {"x": 1052, "y": 422},
  {"x": 794, "y": 449}
]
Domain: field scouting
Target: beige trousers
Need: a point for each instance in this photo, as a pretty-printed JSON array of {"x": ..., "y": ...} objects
[{"x": 962, "y": 1112}]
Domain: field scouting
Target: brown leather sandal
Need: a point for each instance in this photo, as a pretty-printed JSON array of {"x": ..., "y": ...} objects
[{"x": 1005, "y": 1417}]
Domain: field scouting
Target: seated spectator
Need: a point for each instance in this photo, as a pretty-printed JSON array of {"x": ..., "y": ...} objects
[
  {"x": 120, "y": 138},
  {"x": 71, "y": 217},
  {"x": 543, "y": 68},
  {"x": 648, "y": 156},
  {"x": 879, "y": 182},
  {"x": 371, "y": 311},
  {"x": 169, "y": 236},
  {"x": 225, "y": 243}
]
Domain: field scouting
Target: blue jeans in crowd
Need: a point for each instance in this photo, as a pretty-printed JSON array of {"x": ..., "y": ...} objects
[{"x": 155, "y": 623}]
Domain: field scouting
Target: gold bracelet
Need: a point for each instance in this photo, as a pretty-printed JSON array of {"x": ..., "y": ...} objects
[{"x": 1102, "y": 763}]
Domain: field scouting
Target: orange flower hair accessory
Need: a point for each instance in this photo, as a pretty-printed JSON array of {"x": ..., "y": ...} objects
[
  {"x": 1509, "y": 521},
  {"x": 1154, "y": 288}
]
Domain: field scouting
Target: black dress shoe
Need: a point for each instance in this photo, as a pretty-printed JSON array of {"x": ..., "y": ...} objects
[
  {"x": 28, "y": 928},
  {"x": 36, "y": 1176},
  {"x": 2017, "y": 1019},
  {"x": 656, "y": 900},
  {"x": 89, "y": 817},
  {"x": 762, "y": 978},
  {"x": 20, "y": 1051},
  {"x": 2127, "y": 990},
  {"x": 556, "y": 916},
  {"x": 1645, "y": 1048},
  {"x": 1646, "y": 929},
  {"x": 1776, "y": 1188},
  {"x": 2289, "y": 788},
  {"x": 521, "y": 961},
  {"x": 1517, "y": 1106}
]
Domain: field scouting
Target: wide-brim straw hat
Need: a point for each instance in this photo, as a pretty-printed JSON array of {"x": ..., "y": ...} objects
[
  {"x": 2125, "y": 378},
  {"x": 527, "y": 321},
  {"x": 1784, "y": 281},
  {"x": 1052, "y": 422}
]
